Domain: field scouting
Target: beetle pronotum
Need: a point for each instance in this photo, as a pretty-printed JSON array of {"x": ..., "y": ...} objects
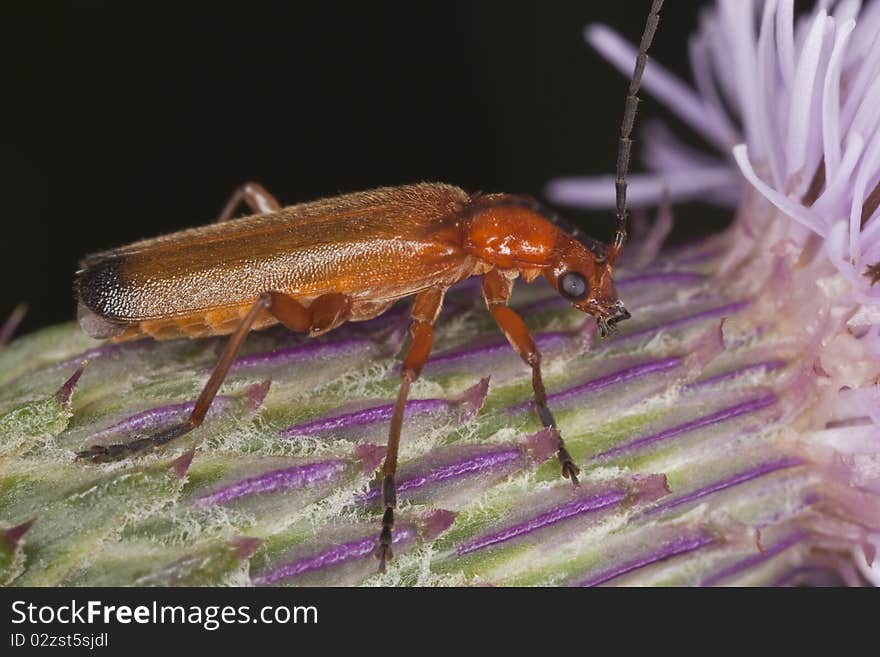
[{"x": 314, "y": 266}]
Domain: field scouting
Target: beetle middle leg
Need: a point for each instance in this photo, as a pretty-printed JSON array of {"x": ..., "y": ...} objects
[
  {"x": 496, "y": 292},
  {"x": 323, "y": 314},
  {"x": 252, "y": 194},
  {"x": 425, "y": 309}
]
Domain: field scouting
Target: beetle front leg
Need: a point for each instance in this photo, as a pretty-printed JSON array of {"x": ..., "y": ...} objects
[
  {"x": 252, "y": 194},
  {"x": 425, "y": 309},
  {"x": 496, "y": 292}
]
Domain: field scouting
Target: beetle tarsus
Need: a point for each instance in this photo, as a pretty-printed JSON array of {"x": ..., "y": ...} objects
[
  {"x": 116, "y": 451},
  {"x": 569, "y": 469},
  {"x": 383, "y": 548}
]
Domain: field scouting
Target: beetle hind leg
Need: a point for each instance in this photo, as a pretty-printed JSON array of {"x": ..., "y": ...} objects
[
  {"x": 252, "y": 194},
  {"x": 425, "y": 309},
  {"x": 325, "y": 313}
]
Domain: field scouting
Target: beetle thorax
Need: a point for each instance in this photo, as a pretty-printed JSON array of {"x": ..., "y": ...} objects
[{"x": 510, "y": 237}]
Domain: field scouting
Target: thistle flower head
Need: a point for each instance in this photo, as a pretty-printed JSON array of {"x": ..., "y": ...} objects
[{"x": 791, "y": 105}]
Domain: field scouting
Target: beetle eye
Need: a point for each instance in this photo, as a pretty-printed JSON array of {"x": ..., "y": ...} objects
[{"x": 572, "y": 285}]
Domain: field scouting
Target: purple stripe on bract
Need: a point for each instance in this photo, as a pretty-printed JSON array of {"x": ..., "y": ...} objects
[
  {"x": 718, "y": 311},
  {"x": 543, "y": 340},
  {"x": 106, "y": 349},
  {"x": 642, "y": 369},
  {"x": 161, "y": 415},
  {"x": 767, "y": 366},
  {"x": 734, "y": 480},
  {"x": 366, "y": 416},
  {"x": 301, "y": 352},
  {"x": 470, "y": 466},
  {"x": 756, "y": 559},
  {"x": 680, "y": 545},
  {"x": 566, "y": 511},
  {"x": 298, "y": 476},
  {"x": 336, "y": 555},
  {"x": 723, "y": 415}
]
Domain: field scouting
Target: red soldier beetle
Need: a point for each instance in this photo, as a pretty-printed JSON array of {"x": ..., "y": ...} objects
[{"x": 315, "y": 266}]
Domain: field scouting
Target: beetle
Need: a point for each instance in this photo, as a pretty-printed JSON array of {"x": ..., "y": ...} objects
[{"x": 315, "y": 266}]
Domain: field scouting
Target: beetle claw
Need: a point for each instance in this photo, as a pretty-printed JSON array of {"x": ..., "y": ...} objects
[{"x": 569, "y": 469}]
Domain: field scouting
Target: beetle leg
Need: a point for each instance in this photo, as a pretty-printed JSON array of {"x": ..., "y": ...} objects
[
  {"x": 425, "y": 309},
  {"x": 496, "y": 292},
  {"x": 324, "y": 313},
  {"x": 101, "y": 453},
  {"x": 254, "y": 195}
]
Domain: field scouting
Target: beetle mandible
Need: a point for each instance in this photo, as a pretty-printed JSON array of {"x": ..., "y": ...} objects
[{"x": 315, "y": 266}]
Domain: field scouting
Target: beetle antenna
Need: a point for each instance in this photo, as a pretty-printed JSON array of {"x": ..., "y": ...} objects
[{"x": 624, "y": 145}]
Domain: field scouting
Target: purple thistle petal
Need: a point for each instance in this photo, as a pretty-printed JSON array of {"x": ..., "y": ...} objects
[
  {"x": 597, "y": 192},
  {"x": 660, "y": 83},
  {"x": 729, "y": 482},
  {"x": 756, "y": 559},
  {"x": 681, "y": 545},
  {"x": 725, "y": 414}
]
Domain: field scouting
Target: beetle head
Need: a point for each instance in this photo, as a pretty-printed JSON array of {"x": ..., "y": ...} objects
[{"x": 584, "y": 277}]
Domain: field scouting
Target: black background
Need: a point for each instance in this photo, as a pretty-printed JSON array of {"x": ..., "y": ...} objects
[{"x": 127, "y": 120}]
